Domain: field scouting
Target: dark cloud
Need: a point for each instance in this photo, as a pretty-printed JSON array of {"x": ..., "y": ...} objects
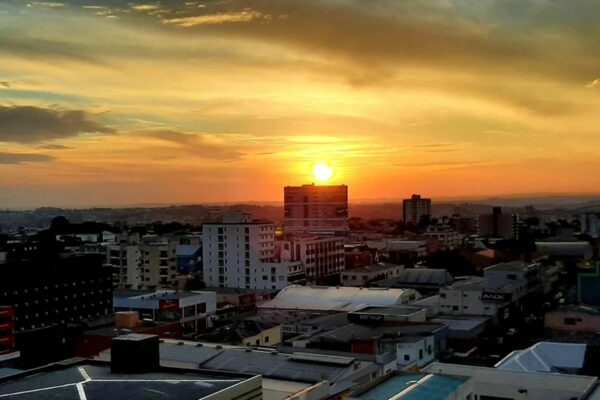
[
  {"x": 51, "y": 146},
  {"x": 198, "y": 144},
  {"x": 5, "y": 84},
  {"x": 381, "y": 36},
  {"x": 29, "y": 124},
  {"x": 22, "y": 158}
]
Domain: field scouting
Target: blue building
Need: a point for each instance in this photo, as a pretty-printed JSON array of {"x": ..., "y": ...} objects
[{"x": 189, "y": 258}]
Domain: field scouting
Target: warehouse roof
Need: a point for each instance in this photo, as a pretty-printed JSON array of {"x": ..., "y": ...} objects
[
  {"x": 416, "y": 276},
  {"x": 546, "y": 357},
  {"x": 326, "y": 298}
]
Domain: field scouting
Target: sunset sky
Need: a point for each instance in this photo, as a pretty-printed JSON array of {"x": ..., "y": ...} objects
[{"x": 116, "y": 102}]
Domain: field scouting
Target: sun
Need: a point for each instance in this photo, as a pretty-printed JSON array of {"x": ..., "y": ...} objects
[{"x": 322, "y": 172}]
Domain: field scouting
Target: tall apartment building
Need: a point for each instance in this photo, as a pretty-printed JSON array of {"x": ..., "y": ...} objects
[
  {"x": 316, "y": 209},
  {"x": 497, "y": 225},
  {"x": 239, "y": 253},
  {"x": 320, "y": 256},
  {"x": 415, "y": 208},
  {"x": 147, "y": 262}
]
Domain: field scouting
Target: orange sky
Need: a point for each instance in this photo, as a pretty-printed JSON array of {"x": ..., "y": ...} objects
[{"x": 189, "y": 101}]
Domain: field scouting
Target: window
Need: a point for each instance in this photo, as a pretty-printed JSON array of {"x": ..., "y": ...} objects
[
  {"x": 420, "y": 354},
  {"x": 406, "y": 357},
  {"x": 570, "y": 321},
  {"x": 455, "y": 308},
  {"x": 266, "y": 339}
]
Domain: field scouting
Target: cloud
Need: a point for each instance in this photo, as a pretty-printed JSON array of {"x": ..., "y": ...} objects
[
  {"x": 52, "y": 146},
  {"x": 212, "y": 19},
  {"x": 30, "y": 124},
  {"x": 22, "y": 158},
  {"x": 593, "y": 84},
  {"x": 145, "y": 7},
  {"x": 198, "y": 144},
  {"x": 5, "y": 84},
  {"x": 48, "y": 4}
]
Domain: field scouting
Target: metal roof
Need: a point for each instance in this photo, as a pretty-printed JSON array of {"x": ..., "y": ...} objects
[
  {"x": 546, "y": 357},
  {"x": 270, "y": 364},
  {"x": 337, "y": 298},
  {"x": 414, "y": 387},
  {"x": 417, "y": 276}
]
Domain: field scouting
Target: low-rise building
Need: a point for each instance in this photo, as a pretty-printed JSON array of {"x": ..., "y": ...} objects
[
  {"x": 403, "y": 386},
  {"x": 320, "y": 257},
  {"x": 574, "y": 318},
  {"x": 249, "y": 332},
  {"x": 362, "y": 276},
  {"x": 337, "y": 299},
  {"x": 446, "y": 237},
  {"x": 193, "y": 310},
  {"x": 424, "y": 280},
  {"x": 494, "y": 383}
]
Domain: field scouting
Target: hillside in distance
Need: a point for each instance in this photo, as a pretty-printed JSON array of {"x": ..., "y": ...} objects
[{"x": 195, "y": 215}]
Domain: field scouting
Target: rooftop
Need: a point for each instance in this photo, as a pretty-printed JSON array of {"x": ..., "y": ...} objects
[
  {"x": 379, "y": 267},
  {"x": 93, "y": 380},
  {"x": 349, "y": 332},
  {"x": 414, "y": 387},
  {"x": 268, "y": 363},
  {"x": 417, "y": 276},
  {"x": 511, "y": 266},
  {"x": 326, "y": 298},
  {"x": 546, "y": 357}
]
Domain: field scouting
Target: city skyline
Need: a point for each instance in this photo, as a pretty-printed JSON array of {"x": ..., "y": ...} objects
[{"x": 119, "y": 103}]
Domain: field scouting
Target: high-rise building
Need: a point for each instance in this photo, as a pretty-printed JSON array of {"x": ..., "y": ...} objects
[
  {"x": 316, "y": 209},
  {"x": 415, "y": 208},
  {"x": 497, "y": 225},
  {"x": 239, "y": 253}
]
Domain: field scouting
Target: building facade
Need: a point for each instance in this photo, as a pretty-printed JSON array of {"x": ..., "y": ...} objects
[
  {"x": 316, "y": 209},
  {"x": 415, "y": 208},
  {"x": 240, "y": 253},
  {"x": 320, "y": 256},
  {"x": 497, "y": 225}
]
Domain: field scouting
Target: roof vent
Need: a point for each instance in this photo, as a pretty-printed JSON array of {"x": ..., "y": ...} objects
[{"x": 134, "y": 353}]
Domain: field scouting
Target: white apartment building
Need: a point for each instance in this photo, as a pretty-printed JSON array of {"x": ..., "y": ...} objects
[
  {"x": 320, "y": 256},
  {"x": 126, "y": 262},
  {"x": 239, "y": 252},
  {"x": 446, "y": 237}
]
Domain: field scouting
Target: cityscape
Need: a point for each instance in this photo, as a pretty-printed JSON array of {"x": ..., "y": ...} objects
[{"x": 299, "y": 200}]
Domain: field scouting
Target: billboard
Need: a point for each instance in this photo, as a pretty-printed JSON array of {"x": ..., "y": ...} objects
[
  {"x": 496, "y": 297},
  {"x": 168, "y": 305}
]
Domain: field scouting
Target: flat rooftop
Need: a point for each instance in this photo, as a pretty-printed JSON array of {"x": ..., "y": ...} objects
[
  {"x": 414, "y": 387},
  {"x": 378, "y": 267},
  {"x": 95, "y": 381}
]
